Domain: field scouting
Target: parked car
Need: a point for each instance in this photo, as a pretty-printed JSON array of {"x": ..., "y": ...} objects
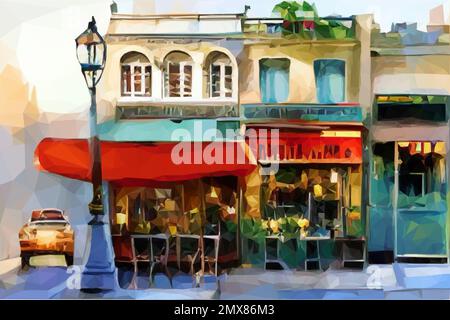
[{"x": 48, "y": 232}]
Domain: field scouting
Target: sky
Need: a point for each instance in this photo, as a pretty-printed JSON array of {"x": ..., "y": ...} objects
[
  {"x": 37, "y": 40},
  {"x": 385, "y": 11}
]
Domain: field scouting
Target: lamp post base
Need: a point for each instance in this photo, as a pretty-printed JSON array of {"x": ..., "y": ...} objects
[
  {"x": 100, "y": 271},
  {"x": 98, "y": 282}
]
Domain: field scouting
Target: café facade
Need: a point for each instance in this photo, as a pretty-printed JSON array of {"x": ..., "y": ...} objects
[{"x": 289, "y": 190}]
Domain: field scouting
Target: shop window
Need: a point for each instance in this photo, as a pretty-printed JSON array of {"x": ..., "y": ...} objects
[
  {"x": 420, "y": 107},
  {"x": 319, "y": 193},
  {"x": 219, "y": 75},
  {"x": 178, "y": 75},
  {"x": 189, "y": 209},
  {"x": 330, "y": 80},
  {"x": 136, "y": 75},
  {"x": 422, "y": 175},
  {"x": 274, "y": 80}
]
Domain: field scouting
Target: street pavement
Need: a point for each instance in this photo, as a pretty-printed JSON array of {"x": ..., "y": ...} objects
[{"x": 397, "y": 281}]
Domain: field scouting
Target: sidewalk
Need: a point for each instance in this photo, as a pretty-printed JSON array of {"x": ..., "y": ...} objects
[{"x": 397, "y": 281}]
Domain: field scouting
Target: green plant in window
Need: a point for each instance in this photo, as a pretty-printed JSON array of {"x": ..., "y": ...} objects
[
  {"x": 287, "y": 175},
  {"x": 286, "y": 228},
  {"x": 253, "y": 229},
  {"x": 417, "y": 99},
  {"x": 437, "y": 99},
  {"x": 290, "y": 227},
  {"x": 143, "y": 227}
]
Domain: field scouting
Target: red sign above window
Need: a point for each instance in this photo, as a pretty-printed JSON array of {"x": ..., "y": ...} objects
[{"x": 317, "y": 147}]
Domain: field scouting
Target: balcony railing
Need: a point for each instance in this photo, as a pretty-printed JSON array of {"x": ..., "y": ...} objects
[
  {"x": 328, "y": 28},
  {"x": 306, "y": 112},
  {"x": 248, "y": 112},
  {"x": 177, "y": 111}
]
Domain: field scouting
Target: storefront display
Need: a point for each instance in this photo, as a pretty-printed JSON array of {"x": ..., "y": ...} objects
[
  {"x": 201, "y": 207},
  {"x": 314, "y": 193},
  {"x": 195, "y": 204}
]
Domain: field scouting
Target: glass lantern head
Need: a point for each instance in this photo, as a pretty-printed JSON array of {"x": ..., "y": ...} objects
[{"x": 91, "y": 54}]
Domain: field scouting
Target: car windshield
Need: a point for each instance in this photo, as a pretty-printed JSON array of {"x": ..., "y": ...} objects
[{"x": 49, "y": 215}]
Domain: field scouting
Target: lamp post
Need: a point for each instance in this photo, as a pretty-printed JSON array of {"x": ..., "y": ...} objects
[{"x": 99, "y": 271}]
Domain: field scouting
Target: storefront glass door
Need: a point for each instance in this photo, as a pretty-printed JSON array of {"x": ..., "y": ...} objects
[
  {"x": 421, "y": 204},
  {"x": 408, "y": 202}
]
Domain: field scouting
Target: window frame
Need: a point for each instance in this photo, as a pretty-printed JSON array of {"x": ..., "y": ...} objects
[
  {"x": 133, "y": 92},
  {"x": 166, "y": 85},
  {"x": 344, "y": 100},
  {"x": 378, "y": 106},
  {"x": 222, "y": 76},
  {"x": 289, "y": 60}
]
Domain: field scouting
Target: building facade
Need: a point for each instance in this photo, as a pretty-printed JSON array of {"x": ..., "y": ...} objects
[
  {"x": 409, "y": 145},
  {"x": 339, "y": 146},
  {"x": 173, "y": 79},
  {"x": 308, "y": 84}
]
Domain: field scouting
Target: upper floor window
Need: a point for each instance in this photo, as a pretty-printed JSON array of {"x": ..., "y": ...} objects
[
  {"x": 219, "y": 75},
  {"x": 330, "y": 80},
  {"x": 136, "y": 76},
  {"x": 178, "y": 75},
  {"x": 274, "y": 79},
  {"x": 418, "y": 107}
]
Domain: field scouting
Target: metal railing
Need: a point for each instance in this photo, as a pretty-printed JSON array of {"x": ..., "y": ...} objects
[
  {"x": 326, "y": 28},
  {"x": 177, "y": 111},
  {"x": 307, "y": 112}
]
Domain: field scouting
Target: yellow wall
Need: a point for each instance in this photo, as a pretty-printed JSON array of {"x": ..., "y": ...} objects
[{"x": 302, "y": 87}]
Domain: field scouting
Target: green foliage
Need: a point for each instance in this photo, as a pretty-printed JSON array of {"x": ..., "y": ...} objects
[
  {"x": 355, "y": 229},
  {"x": 289, "y": 228},
  {"x": 258, "y": 229},
  {"x": 437, "y": 99},
  {"x": 253, "y": 229},
  {"x": 288, "y": 10},
  {"x": 231, "y": 226},
  {"x": 433, "y": 201},
  {"x": 294, "y": 13},
  {"x": 287, "y": 175}
]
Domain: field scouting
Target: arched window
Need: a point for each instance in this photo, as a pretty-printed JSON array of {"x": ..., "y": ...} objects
[
  {"x": 136, "y": 73},
  {"x": 178, "y": 75},
  {"x": 219, "y": 75}
]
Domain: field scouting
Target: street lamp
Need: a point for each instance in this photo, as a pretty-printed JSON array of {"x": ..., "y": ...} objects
[{"x": 99, "y": 271}]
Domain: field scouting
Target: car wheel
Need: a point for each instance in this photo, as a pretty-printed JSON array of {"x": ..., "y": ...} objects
[
  {"x": 25, "y": 262},
  {"x": 69, "y": 260}
]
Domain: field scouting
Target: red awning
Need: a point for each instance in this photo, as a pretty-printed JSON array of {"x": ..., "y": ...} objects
[{"x": 143, "y": 163}]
